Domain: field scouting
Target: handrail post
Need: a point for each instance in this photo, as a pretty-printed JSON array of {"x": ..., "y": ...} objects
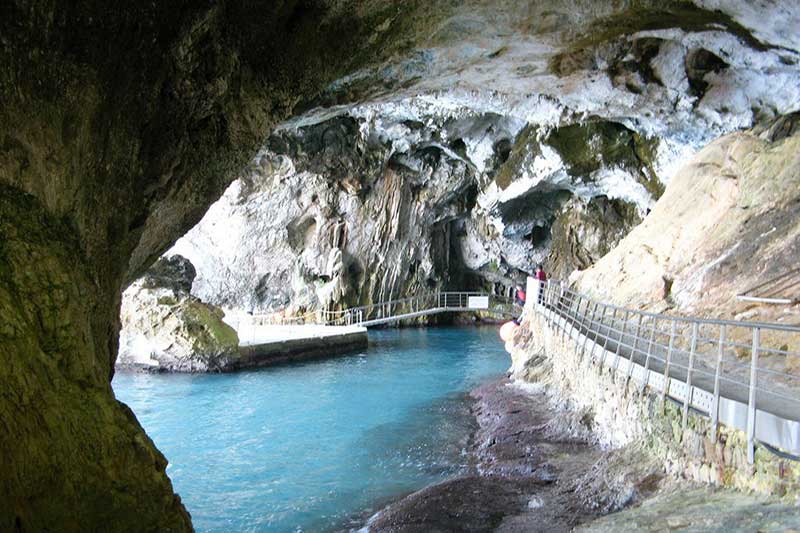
[
  {"x": 687, "y": 400},
  {"x": 633, "y": 350},
  {"x": 564, "y": 313},
  {"x": 548, "y": 300},
  {"x": 595, "y": 344},
  {"x": 578, "y": 328},
  {"x": 717, "y": 370},
  {"x": 545, "y": 298},
  {"x": 573, "y": 316},
  {"x": 751, "y": 402},
  {"x": 646, "y": 377},
  {"x": 665, "y": 388},
  {"x": 589, "y": 329},
  {"x": 608, "y": 335},
  {"x": 619, "y": 343}
]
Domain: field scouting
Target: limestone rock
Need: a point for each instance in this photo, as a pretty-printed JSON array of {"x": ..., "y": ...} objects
[
  {"x": 586, "y": 231},
  {"x": 173, "y": 272},
  {"x": 165, "y": 328},
  {"x": 728, "y": 221},
  {"x": 556, "y": 140},
  {"x": 704, "y": 232}
]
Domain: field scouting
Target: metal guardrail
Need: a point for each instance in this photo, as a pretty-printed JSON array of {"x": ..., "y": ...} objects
[
  {"x": 420, "y": 305},
  {"x": 715, "y": 367},
  {"x": 398, "y": 309},
  {"x": 280, "y": 319}
]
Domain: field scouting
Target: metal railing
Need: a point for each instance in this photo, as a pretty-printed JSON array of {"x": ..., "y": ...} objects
[
  {"x": 282, "y": 319},
  {"x": 420, "y": 305},
  {"x": 398, "y": 309},
  {"x": 732, "y": 371}
]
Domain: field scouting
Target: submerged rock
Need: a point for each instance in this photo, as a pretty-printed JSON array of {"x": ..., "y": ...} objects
[{"x": 165, "y": 328}]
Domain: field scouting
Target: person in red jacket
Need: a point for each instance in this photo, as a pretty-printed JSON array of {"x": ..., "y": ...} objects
[{"x": 519, "y": 297}]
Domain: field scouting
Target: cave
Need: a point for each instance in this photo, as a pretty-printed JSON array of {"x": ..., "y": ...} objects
[{"x": 438, "y": 148}]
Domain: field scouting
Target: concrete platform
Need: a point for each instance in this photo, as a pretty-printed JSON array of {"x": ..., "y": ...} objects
[{"x": 269, "y": 345}]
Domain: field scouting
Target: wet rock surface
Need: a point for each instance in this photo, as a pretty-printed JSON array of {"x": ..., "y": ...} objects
[
  {"x": 536, "y": 466},
  {"x": 529, "y": 475},
  {"x": 701, "y": 509}
]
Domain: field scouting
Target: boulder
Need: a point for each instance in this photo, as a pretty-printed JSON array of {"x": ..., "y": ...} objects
[{"x": 165, "y": 328}]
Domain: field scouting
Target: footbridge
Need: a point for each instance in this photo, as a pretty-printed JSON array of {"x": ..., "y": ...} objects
[
  {"x": 398, "y": 310},
  {"x": 742, "y": 374}
]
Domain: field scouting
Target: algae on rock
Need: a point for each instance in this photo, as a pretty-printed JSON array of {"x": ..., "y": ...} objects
[{"x": 165, "y": 328}]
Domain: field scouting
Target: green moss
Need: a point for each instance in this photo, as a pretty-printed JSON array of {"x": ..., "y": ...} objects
[
  {"x": 587, "y": 147},
  {"x": 212, "y": 334},
  {"x": 76, "y": 458},
  {"x": 167, "y": 300},
  {"x": 526, "y": 146},
  {"x": 646, "y": 149}
]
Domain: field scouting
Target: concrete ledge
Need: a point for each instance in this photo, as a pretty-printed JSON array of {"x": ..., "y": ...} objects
[{"x": 271, "y": 345}]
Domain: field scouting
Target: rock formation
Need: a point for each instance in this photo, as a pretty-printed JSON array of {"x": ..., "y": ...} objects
[
  {"x": 166, "y": 328},
  {"x": 466, "y": 162},
  {"x": 120, "y": 125},
  {"x": 728, "y": 221}
]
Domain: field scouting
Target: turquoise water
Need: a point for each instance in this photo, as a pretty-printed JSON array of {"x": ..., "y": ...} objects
[{"x": 317, "y": 446}]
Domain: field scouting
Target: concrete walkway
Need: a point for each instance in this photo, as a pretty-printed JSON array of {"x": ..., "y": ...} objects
[{"x": 268, "y": 345}]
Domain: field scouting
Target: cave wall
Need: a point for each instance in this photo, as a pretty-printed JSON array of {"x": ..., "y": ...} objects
[
  {"x": 399, "y": 197},
  {"x": 568, "y": 120},
  {"x": 119, "y": 126},
  {"x": 326, "y": 217},
  {"x": 728, "y": 222}
]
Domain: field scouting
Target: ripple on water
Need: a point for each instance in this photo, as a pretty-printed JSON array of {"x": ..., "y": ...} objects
[{"x": 317, "y": 446}]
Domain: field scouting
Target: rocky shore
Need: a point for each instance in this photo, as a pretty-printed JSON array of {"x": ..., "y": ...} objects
[
  {"x": 535, "y": 467},
  {"x": 530, "y": 473}
]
